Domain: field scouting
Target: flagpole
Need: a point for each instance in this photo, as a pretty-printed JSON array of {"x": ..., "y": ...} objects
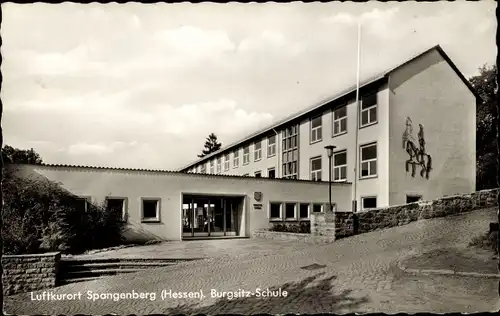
[{"x": 356, "y": 149}]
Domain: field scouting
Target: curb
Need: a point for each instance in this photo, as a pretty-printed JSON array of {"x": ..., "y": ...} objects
[{"x": 447, "y": 272}]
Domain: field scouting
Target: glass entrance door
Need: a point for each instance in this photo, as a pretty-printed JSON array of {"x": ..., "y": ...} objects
[{"x": 210, "y": 216}]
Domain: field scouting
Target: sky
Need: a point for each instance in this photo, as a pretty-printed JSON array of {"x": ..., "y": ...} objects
[{"x": 141, "y": 86}]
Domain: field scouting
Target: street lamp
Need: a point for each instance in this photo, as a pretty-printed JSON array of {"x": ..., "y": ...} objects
[{"x": 329, "y": 151}]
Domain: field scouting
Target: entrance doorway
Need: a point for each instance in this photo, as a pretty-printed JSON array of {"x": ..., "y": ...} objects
[{"x": 211, "y": 216}]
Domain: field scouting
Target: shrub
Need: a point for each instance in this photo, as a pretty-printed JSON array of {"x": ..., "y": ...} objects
[
  {"x": 39, "y": 215},
  {"x": 486, "y": 241},
  {"x": 301, "y": 228}
]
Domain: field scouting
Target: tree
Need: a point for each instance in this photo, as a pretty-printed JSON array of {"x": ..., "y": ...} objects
[
  {"x": 211, "y": 145},
  {"x": 21, "y": 156},
  {"x": 486, "y": 131}
]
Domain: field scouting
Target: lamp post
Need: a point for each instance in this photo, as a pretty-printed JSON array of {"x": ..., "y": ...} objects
[{"x": 329, "y": 151}]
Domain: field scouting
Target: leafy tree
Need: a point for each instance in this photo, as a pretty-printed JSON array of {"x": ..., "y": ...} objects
[
  {"x": 211, "y": 145},
  {"x": 486, "y": 144},
  {"x": 21, "y": 156}
]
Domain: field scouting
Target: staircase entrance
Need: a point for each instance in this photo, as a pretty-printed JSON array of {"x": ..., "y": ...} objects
[{"x": 211, "y": 216}]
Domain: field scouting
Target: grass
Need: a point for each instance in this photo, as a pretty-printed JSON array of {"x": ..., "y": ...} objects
[{"x": 486, "y": 241}]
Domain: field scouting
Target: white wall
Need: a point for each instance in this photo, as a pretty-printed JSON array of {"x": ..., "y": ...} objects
[
  {"x": 169, "y": 187},
  {"x": 432, "y": 94}
]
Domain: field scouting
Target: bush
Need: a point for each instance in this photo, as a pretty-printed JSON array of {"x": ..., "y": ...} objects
[
  {"x": 40, "y": 216},
  {"x": 486, "y": 241},
  {"x": 301, "y": 228}
]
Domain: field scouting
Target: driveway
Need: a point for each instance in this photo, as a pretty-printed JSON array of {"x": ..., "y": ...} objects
[{"x": 357, "y": 274}]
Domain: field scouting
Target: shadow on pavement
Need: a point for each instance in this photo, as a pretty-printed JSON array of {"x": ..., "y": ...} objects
[{"x": 303, "y": 297}]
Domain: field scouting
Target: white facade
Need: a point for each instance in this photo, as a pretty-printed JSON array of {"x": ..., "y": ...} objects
[{"x": 414, "y": 89}]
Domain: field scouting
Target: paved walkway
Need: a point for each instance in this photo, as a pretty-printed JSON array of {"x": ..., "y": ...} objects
[
  {"x": 198, "y": 249},
  {"x": 357, "y": 274}
]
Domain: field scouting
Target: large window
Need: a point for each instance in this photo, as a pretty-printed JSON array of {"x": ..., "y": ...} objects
[
  {"x": 275, "y": 210},
  {"x": 369, "y": 202},
  {"x": 236, "y": 158},
  {"x": 258, "y": 174},
  {"x": 246, "y": 155},
  {"x": 212, "y": 171},
  {"x": 316, "y": 129},
  {"x": 203, "y": 168},
  {"x": 271, "y": 173},
  {"x": 316, "y": 169},
  {"x": 258, "y": 151},
  {"x": 271, "y": 146},
  {"x": 368, "y": 160},
  {"x": 369, "y": 109},
  {"x": 340, "y": 166},
  {"x": 290, "y": 210},
  {"x": 117, "y": 206},
  {"x": 219, "y": 165},
  {"x": 340, "y": 121},
  {"x": 150, "y": 210},
  {"x": 304, "y": 211},
  {"x": 226, "y": 162},
  {"x": 290, "y": 152}
]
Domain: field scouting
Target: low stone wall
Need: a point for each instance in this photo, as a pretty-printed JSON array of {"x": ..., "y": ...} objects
[
  {"x": 348, "y": 224},
  {"x": 291, "y": 236},
  {"x": 22, "y": 273}
]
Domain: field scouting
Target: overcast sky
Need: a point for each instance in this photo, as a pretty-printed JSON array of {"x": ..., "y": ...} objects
[{"x": 141, "y": 86}]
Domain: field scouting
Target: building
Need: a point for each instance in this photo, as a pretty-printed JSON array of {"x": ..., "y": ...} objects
[
  {"x": 171, "y": 205},
  {"x": 415, "y": 138}
]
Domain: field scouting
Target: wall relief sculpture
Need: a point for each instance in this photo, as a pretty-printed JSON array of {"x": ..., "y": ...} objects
[{"x": 418, "y": 157}]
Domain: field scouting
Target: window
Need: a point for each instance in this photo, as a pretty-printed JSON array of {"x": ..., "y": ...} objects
[
  {"x": 316, "y": 169},
  {"x": 340, "y": 166},
  {"x": 369, "y": 202},
  {"x": 258, "y": 151},
  {"x": 316, "y": 129},
  {"x": 117, "y": 206},
  {"x": 271, "y": 173},
  {"x": 413, "y": 198},
  {"x": 317, "y": 208},
  {"x": 290, "y": 152},
  {"x": 258, "y": 174},
  {"x": 368, "y": 160},
  {"x": 271, "y": 146},
  {"x": 246, "y": 155},
  {"x": 275, "y": 210},
  {"x": 212, "y": 167},
  {"x": 340, "y": 121},
  {"x": 290, "y": 210},
  {"x": 369, "y": 109},
  {"x": 226, "y": 162},
  {"x": 304, "y": 210},
  {"x": 236, "y": 158},
  {"x": 82, "y": 204},
  {"x": 150, "y": 210},
  {"x": 219, "y": 165},
  {"x": 203, "y": 168}
]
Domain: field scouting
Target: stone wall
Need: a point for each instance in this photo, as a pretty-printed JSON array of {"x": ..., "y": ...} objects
[
  {"x": 22, "y": 273},
  {"x": 348, "y": 224}
]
